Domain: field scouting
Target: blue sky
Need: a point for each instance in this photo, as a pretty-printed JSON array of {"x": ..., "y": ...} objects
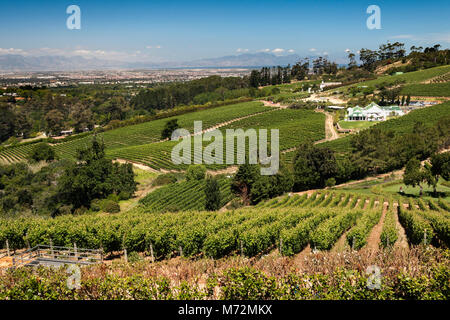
[{"x": 185, "y": 30}]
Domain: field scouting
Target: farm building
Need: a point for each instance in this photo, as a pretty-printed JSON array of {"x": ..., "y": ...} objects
[{"x": 372, "y": 112}]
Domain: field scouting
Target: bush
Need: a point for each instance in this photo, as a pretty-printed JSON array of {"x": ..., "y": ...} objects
[
  {"x": 42, "y": 152},
  {"x": 331, "y": 182},
  {"x": 164, "y": 179},
  {"x": 110, "y": 206},
  {"x": 196, "y": 172},
  {"x": 96, "y": 205},
  {"x": 134, "y": 257}
]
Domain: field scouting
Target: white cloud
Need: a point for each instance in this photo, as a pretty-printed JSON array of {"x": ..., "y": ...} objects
[
  {"x": 403, "y": 36},
  {"x": 325, "y": 53},
  {"x": 427, "y": 38},
  {"x": 348, "y": 50},
  {"x": 264, "y": 50},
  {"x": 241, "y": 50},
  {"x": 278, "y": 50},
  {"x": 313, "y": 49},
  {"x": 154, "y": 47},
  {"x": 291, "y": 50},
  {"x": 11, "y": 51}
]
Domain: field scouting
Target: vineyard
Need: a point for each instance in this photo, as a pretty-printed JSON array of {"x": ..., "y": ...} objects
[
  {"x": 144, "y": 133},
  {"x": 407, "y": 78},
  {"x": 186, "y": 195},
  {"x": 295, "y": 127},
  {"x": 440, "y": 89},
  {"x": 288, "y": 223}
]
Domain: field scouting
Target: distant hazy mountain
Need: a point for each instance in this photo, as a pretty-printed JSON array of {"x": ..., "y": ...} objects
[
  {"x": 246, "y": 60},
  {"x": 12, "y": 62}
]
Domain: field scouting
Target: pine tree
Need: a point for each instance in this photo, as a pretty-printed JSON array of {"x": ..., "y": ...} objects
[{"x": 212, "y": 194}]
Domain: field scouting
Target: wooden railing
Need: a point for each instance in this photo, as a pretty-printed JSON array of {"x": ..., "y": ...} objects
[{"x": 43, "y": 254}]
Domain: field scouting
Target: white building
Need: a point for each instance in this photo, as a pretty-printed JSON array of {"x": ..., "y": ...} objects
[{"x": 373, "y": 112}]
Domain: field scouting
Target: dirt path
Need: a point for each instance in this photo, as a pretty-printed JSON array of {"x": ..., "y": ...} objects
[
  {"x": 366, "y": 204},
  {"x": 5, "y": 262},
  {"x": 382, "y": 175},
  {"x": 402, "y": 241},
  {"x": 273, "y": 104},
  {"x": 330, "y": 131},
  {"x": 325, "y": 98},
  {"x": 373, "y": 240},
  {"x": 341, "y": 245},
  {"x": 300, "y": 257}
]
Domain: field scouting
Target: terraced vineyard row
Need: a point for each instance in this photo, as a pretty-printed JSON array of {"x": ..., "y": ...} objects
[
  {"x": 144, "y": 133},
  {"x": 442, "y": 78},
  {"x": 186, "y": 195},
  {"x": 408, "y": 78},
  {"x": 150, "y": 132},
  {"x": 288, "y": 223},
  {"x": 18, "y": 153},
  {"x": 295, "y": 127}
]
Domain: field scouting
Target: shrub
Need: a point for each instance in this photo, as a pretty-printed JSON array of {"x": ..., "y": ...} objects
[
  {"x": 196, "y": 172},
  {"x": 134, "y": 257},
  {"x": 110, "y": 206},
  {"x": 164, "y": 179},
  {"x": 42, "y": 152}
]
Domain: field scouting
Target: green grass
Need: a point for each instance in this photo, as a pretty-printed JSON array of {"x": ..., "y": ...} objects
[
  {"x": 428, "y": 90},
  {"x": 356, "y": 124},
  {"x": 409, "y": 78},
  {"x": 443, "y": 191}
]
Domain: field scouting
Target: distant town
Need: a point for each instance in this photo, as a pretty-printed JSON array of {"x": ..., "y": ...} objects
[{"x": 133, "y": 77}]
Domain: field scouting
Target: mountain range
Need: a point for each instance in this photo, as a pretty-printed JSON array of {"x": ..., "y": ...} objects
[{"x": 15, "y": 62}]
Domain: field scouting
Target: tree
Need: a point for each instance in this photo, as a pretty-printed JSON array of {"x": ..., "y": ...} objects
[
  {"x": 7, "y": 123},
  {"x": 313, "y": 166},
  {"x": 254, "y": 79},
  {"x": 267, "y": 187},
  {"x": 196, "y": 172},
  {"x": 368, "y": 58},
  {"x": 244, "y": 179},
  {"x": 95, "y": 177},
  {"x": 54, "y": 122},
  {"x": 300, "y": 69},
  {"x": 169, "y": 128},
  {"x": 42, "y": 152},
  {"x": 23, "y": 124},
  {"x": 82, "y": 118},
  {"x": 439, "y": 167},
  {"x": 414, "y": 174},
  {"x": 212, "y": 194},
  {"x": 352, "y": 60}
]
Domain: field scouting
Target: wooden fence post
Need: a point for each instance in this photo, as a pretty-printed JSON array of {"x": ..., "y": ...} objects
[
  {"x": 51, "y": 249},
  {"x": 75, "y": 250},
  {"x": 151, "y": 252},
  {"x": 242, "y": 249},
  {"x": 181, "y": 251},
  {"x": 7, "y": 248},
  {"x": 125, "y": 255},
  {"x": 281, "y": 245}
]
